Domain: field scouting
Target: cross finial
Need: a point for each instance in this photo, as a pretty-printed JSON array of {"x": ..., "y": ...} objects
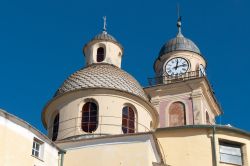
[{"x": 104, "y": 23}]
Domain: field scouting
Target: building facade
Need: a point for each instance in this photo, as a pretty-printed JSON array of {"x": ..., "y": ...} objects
[
  {"x": 102, "y": 116},
  {"x": 22, "y": 144}
]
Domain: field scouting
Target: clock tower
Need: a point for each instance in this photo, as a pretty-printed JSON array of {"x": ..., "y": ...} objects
[
  {"x": 179, "y": 56},
  {"x": 180, "y": 91}
]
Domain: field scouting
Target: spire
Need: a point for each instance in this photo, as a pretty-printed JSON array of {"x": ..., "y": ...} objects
[
  {"x": 179, "y": 34},
  {"x": 104, "y": 24}
]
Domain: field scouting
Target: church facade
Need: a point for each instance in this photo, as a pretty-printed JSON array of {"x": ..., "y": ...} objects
[{"x": 102, "y": 116}]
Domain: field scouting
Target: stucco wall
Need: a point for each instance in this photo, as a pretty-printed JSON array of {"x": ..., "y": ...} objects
[
  {"x": 234, "y": 138},
  {"x": 16, "y": 147},
  {"x": 122, "y": 151},
  {"x": 110, "y": 114},
  {"x": 113, "y": 53},
  {"x": 193, "y": 146}
]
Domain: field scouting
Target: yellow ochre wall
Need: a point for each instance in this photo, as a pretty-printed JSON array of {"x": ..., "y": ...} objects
[
  {"x": 114, "y": 153},
  {"x": 109, "y": 113},
  {"x": 193, "y": 146},
  {"x": 16, "y": 147}
]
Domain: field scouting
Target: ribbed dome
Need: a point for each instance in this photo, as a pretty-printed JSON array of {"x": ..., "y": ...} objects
[
  {"x": 101, "y": 76},
  {"x": 104, "y": 36},
  {"x": 179, "y": 43}
]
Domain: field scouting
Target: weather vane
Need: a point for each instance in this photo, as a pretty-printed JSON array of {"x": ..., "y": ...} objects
[
  {"x": 179, "y": 19},
  {"x": 104, "y": 23}
]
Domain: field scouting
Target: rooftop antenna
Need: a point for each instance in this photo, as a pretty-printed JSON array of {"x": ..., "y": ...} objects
[
  {"x": 104, "y": 24},
  {"x": 179, "y": 20}
]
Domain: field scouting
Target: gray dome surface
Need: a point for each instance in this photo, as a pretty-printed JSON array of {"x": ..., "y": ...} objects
[
  {"x": 179, "y": 43},
  {"x": 104, "y": 36},
  {"x": 101, "y": 76}
]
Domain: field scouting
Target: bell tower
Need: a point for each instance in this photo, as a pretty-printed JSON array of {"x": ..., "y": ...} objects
[
  {"x": 179, "y": 56},
  {"x": 180, "y": 90}
]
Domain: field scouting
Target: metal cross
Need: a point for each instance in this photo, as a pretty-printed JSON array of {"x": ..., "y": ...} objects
[{"x": 104, "y": 23}]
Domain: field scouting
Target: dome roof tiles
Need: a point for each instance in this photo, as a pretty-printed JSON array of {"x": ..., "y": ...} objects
[{"x": 101, "y": 76}]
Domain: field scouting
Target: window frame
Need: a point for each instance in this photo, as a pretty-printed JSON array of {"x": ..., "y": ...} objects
[
  {"x": 128, "y": 127},
  {"x": 90, "y": 119},
  {"x": 37, "y": 148},
  {"x": 233, "y": 145}
]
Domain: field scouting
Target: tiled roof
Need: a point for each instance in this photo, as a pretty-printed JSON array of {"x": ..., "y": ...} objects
[{"x": 102, "y": 76}]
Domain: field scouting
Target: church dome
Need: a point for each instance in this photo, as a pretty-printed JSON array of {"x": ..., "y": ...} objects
[
  {"x": 102, "y": 76},
  {"x": 179, "y": 43}
]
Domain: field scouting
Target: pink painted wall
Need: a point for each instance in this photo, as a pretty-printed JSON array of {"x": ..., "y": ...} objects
[{"x": 163, "y": 105}]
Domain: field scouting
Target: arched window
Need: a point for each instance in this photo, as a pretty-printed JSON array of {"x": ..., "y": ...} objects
[
  {"x": 100, "y": 54},
  {"x": 177, "y": 115},
  {"x": 128, "y": 120},
  {"x": 207, "y": 118},
  {"x": 55, "y": 127},
  {"x": 89, "y": 117}
]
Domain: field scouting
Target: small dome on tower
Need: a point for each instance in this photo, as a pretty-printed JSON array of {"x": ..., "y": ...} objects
[
  {"x": 104, "y": 36},
  {"x": 178, "y": 47},
  {"x": 179, "y": 43}
]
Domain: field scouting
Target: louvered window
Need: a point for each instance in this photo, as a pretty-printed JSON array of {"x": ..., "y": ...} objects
[{"x": 230, "y": 153}]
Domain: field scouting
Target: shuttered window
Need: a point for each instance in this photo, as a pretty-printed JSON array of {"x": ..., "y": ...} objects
[{"x": 230, "y": 153}]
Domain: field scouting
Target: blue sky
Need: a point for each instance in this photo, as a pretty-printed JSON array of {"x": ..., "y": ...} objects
[{"x": 41, "y": 45}]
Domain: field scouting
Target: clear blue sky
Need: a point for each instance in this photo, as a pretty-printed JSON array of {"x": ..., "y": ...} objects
[{"x": 41, "y": 45}]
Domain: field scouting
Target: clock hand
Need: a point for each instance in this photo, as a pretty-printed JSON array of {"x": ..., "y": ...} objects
[
  {"x": 176, "y": 66},
  {"x": 182, "y": 65}
]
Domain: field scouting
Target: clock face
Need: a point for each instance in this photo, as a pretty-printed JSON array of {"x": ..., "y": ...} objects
[
  {"x": 176, "y": 66},
  {"x": 202, "y": 70}
]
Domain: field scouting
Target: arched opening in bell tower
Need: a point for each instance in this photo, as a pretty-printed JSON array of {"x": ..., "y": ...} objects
[{"x": 100, "y": 54}]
